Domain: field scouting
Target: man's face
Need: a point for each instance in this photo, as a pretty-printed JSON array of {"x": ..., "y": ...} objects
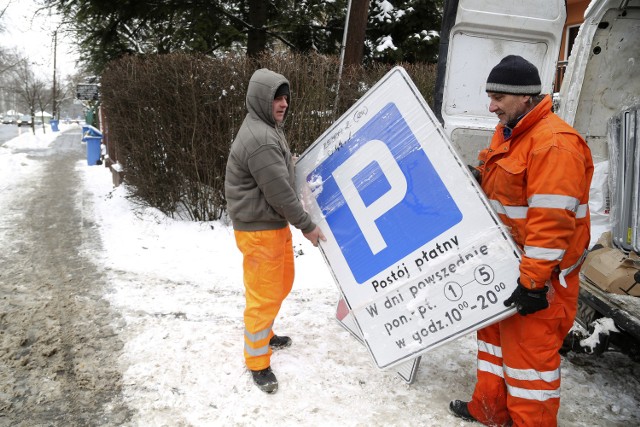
[
  {"x": 280, "y": 105},
  {"x": 508, "y": 107}
]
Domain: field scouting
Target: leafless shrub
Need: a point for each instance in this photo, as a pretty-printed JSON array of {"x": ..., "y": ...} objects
[{"x": 170, "y": 119}]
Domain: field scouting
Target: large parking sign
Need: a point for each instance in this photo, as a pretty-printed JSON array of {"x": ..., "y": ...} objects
[
  {"x": 378, "y": 188},
  {"x": 417, "y": 252}
]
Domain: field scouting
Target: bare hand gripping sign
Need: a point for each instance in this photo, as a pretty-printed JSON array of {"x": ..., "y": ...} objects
[{"x": 413, "y": 244}]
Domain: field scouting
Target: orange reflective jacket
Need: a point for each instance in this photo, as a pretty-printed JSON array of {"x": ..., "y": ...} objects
[{"x": 538, "y": 182}]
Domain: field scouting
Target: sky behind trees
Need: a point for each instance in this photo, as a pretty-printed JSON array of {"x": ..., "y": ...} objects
[{"x": 31, "y": 35}]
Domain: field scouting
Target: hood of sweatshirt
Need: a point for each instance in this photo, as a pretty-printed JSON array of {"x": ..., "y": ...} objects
[{"x": 260, "y": 94}]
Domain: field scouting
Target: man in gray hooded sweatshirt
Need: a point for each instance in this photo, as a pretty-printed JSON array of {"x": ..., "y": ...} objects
[{"x": 262, "y": 202}]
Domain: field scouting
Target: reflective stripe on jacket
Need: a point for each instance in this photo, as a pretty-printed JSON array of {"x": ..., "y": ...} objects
[{"x": 538, "y": 182}]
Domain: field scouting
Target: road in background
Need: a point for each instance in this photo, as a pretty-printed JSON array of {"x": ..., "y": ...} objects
[{"x": 8, "y": 132}]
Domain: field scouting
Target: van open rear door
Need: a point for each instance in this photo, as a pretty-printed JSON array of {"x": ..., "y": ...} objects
[{"x": 475, "y": 37}]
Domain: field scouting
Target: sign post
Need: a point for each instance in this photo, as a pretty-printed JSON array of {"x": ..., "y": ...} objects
[{"x": 415, "y": 248}]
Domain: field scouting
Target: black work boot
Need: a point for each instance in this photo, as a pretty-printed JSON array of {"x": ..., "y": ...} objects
[
  {"x": 266, "y": 380},
  {"x": 460, "y": 409},
  {"x": 277, "y": 342}
]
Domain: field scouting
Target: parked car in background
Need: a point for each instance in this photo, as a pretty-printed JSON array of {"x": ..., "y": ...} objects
[
  {"x": 8, "y": 120},
  {"x": 25, "y": 121},
  {"x": 75, "y": 121}
]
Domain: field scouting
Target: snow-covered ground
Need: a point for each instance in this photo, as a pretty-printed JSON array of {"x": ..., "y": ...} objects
[{"x": 178, "y": 288}]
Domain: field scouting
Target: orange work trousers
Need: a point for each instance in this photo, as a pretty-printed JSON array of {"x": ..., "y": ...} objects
[
  {"x": 519, "y": 364},
  {"x": 268, "y": 278}
]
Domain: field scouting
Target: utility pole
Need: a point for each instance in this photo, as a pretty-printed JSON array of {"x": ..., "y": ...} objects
[
  {"x": 342, "y": 49},
  {"x": 54, "y": 112}
]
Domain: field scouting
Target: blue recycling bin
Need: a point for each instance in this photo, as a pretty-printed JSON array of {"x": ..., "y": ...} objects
[
  {"x": 93, "y": 138},
  {"x": 54, "y": 125},
  {"x": 88, "y": 130},
  {"x": 93, "y": 149}
]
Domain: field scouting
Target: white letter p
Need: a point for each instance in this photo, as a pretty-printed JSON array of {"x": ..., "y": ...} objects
[{"x": 365, "y": 216}]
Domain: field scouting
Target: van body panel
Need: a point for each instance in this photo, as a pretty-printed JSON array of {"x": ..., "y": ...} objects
[
  {"x": 602, "y": 76},
  {"x": 483, "y": 33}
]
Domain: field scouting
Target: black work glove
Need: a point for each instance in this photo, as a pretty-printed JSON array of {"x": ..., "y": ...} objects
[{"x": 528, "y": 301}]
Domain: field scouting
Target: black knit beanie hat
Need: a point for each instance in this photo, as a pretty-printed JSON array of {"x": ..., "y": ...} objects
[
  {"x": 514, "y": 75},
  {"x": 283, "y": 89}
]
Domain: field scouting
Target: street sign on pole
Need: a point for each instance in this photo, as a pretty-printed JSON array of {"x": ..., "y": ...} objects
[
  {"x": 87, "y": 92},
  {"x": 417, "y": 251}
]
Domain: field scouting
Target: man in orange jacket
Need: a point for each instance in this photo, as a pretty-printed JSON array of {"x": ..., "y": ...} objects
[{"x": 536, "y": 173}]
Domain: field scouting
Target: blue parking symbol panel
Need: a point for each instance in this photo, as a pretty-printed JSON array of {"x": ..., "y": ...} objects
[{"x": 381, "y": 196}]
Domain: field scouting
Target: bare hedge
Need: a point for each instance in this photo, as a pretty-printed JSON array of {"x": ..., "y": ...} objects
[{"x": 170, "y": 119}]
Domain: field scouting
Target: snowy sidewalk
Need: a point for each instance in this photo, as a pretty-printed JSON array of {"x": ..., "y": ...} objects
[{"x": 59, "y": 354}]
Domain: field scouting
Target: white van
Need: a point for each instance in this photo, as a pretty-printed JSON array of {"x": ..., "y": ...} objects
[{"x": 601, "y": 85}]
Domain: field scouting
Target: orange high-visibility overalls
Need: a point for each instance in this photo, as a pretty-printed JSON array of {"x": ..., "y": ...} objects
[
  {"x": 268, "y": 279},
  {"x": 538, "y": 182}
]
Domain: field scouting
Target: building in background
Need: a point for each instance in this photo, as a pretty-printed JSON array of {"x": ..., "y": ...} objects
[{"x": 575, "y": 17}]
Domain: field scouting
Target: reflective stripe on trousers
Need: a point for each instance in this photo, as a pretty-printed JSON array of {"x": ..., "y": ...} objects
[
  {"x": 268, "y": 278},
  {"x": 519, "y": 366}
]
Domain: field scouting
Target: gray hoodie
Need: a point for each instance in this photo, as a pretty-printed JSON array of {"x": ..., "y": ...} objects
[{"x": 259, "y": 180}]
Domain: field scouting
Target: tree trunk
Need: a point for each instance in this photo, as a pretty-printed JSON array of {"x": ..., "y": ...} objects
[
  {"x": 257, "y": 35},
  {"x": 356, "y": 28}
]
